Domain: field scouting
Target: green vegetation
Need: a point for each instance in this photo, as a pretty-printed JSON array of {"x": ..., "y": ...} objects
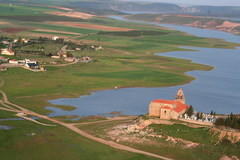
[
  {"x": 10, "y": 10},
  {"x": 142, "y": 75},
  {"x": 209, "y": 148},
  {"x": 32, "y": 141},
  {"x": 231, "y": 121},
  {"x": 198, "y": 135},
  {"x": 190, "y": 111},
  {"x": 134, "y": 33},
  {"x": 126, "y": 60},
  {"x": 195, "y": 21},
  {"x": 63, "y": 28},
  {"x": 174, "y": 19}
]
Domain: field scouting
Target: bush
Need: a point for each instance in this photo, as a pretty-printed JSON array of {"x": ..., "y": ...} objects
[{"x": 231, "y": 121}]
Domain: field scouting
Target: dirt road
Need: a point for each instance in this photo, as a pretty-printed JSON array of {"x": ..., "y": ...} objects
[{"x": 8, "y": 106}]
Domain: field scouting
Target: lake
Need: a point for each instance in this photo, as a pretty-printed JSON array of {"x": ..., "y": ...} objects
[{"x": 217, "y": 90}]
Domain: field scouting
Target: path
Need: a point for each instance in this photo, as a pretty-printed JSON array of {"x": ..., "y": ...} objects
[
  {"x": 24, "y": 111},
  {"x": 65, "y": 64},
  {"x": 107, "y": 120}
]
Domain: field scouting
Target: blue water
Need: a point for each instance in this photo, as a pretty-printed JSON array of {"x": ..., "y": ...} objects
[
  {"x": 217, "y": 90},
  {"x": 4, "y": 127}
]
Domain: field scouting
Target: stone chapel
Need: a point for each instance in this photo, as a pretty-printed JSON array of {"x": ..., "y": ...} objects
[{"x": 169, "y": 109}]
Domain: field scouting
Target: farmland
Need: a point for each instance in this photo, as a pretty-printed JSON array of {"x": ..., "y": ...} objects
[{"x": 126, "y": 60}]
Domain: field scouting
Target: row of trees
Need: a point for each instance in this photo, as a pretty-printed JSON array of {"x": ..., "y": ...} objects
[{"x": 231, "y": 121}]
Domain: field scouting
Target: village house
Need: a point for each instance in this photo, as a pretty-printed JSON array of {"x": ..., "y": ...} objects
[
  {"x": 25, "y": 40},
  {"x": 30, "y": 61},
  {"x": 62, "y": 54},
  {"x": 55, "y": 57},
  {"x": 3, "y": 59},
  {"x": 32, "y": 65},
  {"x": 8, "y": 52},
  {"x": 55, "y": 38},
  {"x": 13, "y": 61},
  {"x": 169, "y": 109},
  {"x": 86, "y": 59}
]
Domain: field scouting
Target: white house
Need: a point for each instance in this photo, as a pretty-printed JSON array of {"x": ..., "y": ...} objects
[
  {"x": 13, "y": 61},
  {"x": 55, "y": 57},
  {"x": 55, "y": 38},
  {"x": 29, "y": 61},
  {"x": 8, "y": 52}
]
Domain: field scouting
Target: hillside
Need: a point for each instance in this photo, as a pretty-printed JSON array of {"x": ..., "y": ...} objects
[
  {"x": 213, "y": 11},
  {"x": 101, "y": 7},
  {"x": 127, "y": 6},
  {"x": 194, "y": 21}
]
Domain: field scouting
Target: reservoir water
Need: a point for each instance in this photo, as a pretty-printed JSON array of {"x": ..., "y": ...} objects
[{"x": 217, "y": 90}]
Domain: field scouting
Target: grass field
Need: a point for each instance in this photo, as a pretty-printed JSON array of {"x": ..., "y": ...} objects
[
  {"x": 209, "y": 148},
  {"x": 79, "y": 79},
  {"x": 125, "y": 61},
  {"x": 32, "y": 141}
]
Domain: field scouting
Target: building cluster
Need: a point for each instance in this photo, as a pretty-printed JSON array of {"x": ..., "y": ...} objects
[
  {"x": 175, "y": 109},
  {"x": 26, "y": 63},
  {"x": 204, "y": 117}
]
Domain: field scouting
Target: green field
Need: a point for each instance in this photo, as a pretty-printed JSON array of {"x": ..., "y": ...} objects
[
  {"x": 126, "y": 60},
  {"x": 32, "y": 141},
  {"x": 209, "y": 148}
]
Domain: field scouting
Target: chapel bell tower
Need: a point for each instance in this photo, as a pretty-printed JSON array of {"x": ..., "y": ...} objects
[{"x": 180, "y": 96}]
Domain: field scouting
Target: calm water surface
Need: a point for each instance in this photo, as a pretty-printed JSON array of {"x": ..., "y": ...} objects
[
  {"x": 4, "y": 127},
  {"x": 217, "y": 90}
]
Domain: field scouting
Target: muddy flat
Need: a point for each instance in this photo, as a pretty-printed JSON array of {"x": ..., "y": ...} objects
[{"x": 90, "y": 26}]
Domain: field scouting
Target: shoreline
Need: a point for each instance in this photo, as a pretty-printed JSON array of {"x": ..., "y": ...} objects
[{"x": 189, "y": 25}]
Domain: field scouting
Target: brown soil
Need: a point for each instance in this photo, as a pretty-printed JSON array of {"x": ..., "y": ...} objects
[
  {"x": 90, "y": 26},
  {"x": 232, "y": 135},
  {"x": 12, "y": 30},
  {"x": 54, "y": 31},
  {"x": 63, "y": 8},
  {"x": 228, "y": 24},
  {"x": 72, "y": 14},
  {"x": 4, "y": 23}
]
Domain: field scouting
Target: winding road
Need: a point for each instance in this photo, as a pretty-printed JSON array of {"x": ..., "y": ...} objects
[{"x": 8, "y": 106}]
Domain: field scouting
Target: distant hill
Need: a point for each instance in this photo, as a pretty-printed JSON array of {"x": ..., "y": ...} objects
[
  {"x": 214, "y": 11},
  {"x": 217, "y": 11},
  {"x": 129, "y": 6},
  {"x": 194, "y": 21},
  {"x": 101, "y": 7}
]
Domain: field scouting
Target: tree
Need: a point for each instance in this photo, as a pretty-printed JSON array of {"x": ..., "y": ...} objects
[
  {"x": 198, "y": 116},
  {"x": 219, "y": 122},
  {"x": 211, "y": 112},
  {"x": 201, "y": 115},
  {"x": 231, "y": 116},
  {"x": 228, "y": 122},
  {"x": 190, "y": 111},
  {"x": 11, "y": 9}
]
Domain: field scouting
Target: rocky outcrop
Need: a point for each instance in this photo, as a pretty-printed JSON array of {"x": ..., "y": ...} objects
[
  {"x": 187, "y": 144},
  {"x": 232, "y": 135}
]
